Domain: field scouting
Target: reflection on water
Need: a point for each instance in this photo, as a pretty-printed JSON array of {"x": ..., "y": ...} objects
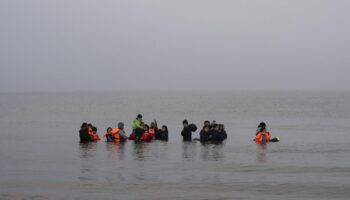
[
  {"x": 208, "y": 151},
  {"x": 115, "y": 151},
  {"x": 139, "y": 150},
  {"x": 87, "y": 149},
  {"x": 261, "y": 153},
  {"x": 88, "y": 152},
  {"x": 159, "y": 170},
  {"x": 156, "y": 150},
  {"x": 189, "y": 152},
  {"x": 212, "y": 152}
]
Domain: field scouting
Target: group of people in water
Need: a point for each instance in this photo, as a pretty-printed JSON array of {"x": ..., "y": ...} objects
[
  {"x": 211, "y": 132},
  {"x": 88, "y": 133},
  {"x": 141, "y": 132}
]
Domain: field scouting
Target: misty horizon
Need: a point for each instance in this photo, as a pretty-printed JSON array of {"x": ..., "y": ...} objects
[{"x": 68, "y": 46}]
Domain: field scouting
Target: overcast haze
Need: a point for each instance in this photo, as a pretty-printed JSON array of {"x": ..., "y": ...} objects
[{"x": 67, "y": 45}]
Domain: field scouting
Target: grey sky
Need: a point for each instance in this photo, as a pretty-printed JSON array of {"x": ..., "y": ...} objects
[{"x": 70, "y": 45}]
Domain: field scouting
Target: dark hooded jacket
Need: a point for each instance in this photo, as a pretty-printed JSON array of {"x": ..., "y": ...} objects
[{"x": 187, "y": 132}]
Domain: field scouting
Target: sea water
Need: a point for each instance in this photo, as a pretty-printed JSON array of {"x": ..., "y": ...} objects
[{"x": 41, "y": 157}]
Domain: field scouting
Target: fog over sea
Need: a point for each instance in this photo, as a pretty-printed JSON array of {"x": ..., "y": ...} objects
[{"x": 41, "y": 157}]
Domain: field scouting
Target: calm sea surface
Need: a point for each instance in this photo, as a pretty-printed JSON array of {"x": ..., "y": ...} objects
[{"x": 41, "y": 157}]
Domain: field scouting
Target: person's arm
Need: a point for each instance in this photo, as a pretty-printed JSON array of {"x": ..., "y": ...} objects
[
  {"x": 122, "y": 134},
  {"x": 139, "y": 123},
  {"x": 156, "y": 125},
  {"x": 268, "y": 136}
]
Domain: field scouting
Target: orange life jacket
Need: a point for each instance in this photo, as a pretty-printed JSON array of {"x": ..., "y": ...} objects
[
  {"x": 145, "y": 137},
  {"x": 152, "y": 132},
  {"x": 95, "y": 136},
  {"x": 115, "y": 134},
  {"x": 259, "y": 137}
]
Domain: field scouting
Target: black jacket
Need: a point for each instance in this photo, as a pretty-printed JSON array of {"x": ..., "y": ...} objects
[
  {"x": 158, "y": 135},
  {"x": 164, "y": 135},
  {"x": 84, "y": 136},
  {"x": 187, "y": 132},
  {"x": 219, "y": 136},
  {"x": 204, "y": 136}
]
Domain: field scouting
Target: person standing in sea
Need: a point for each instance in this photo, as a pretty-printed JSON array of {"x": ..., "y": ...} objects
[
  {"x": 186, "y": 132},
  {"x": 137, "y": 127}
]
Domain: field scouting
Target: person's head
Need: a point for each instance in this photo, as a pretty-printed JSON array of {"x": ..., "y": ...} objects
[
  {"x": 206, "y": 128},
  {"x": 164, "y": 128},
  {"x": 109, "y": 130},
  {"x": 121, "y": 125},
  {"x": 221, "y": 127},
  {"x": 185, "y": 123},
  {"x": 94, "y": 129},
  {"x": 153, "y": 124},
  {"x": 213, "y": 124},
  {"x": 139, "y": 117},
  {"x": 206, "y": 123},
  {"x": 262, "y": 125},
  {"x": 89, "y": 125},
  {"x": 83, "y": 125},
  {"x": 145, "y": 127},
  {"x": 263, "y": 130},
  {"x": 216, "y": 127}
]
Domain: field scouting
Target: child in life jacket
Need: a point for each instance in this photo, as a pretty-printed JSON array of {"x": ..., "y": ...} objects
[
  {"x": 263, "y": 136},
  {"x": 153, "y": 129},
  {"x": 146, "y": 136},
  {"x": 95, "y": 134}
]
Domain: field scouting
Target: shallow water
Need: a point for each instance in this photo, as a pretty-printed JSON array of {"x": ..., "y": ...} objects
[{"x": 41, "y": 157}]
